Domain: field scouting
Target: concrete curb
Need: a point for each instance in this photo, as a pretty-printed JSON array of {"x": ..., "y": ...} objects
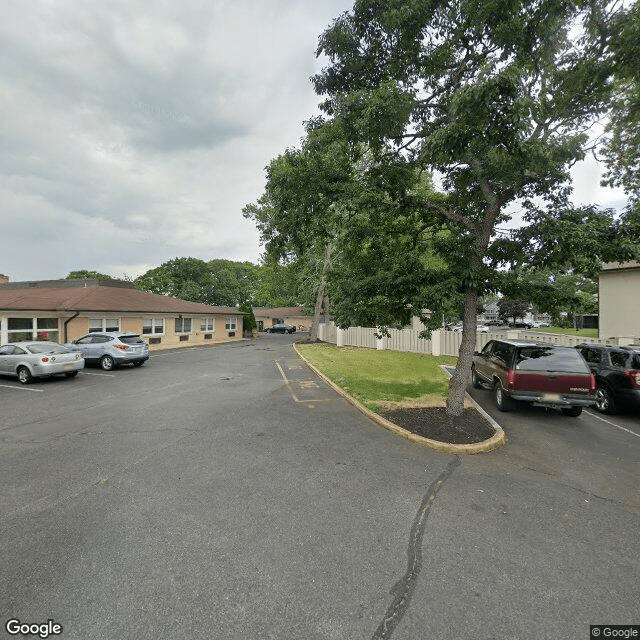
[{"x": 497, "y": 440}]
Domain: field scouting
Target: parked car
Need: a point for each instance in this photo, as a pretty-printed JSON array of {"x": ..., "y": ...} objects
[
  {"x": 540, "y": 374},
  {"x": 520, "y": 325},
  {"x": 111, "y": 349},
  {"x": 283, "y": 327},
  {"x": 482, "y": 328},
  {"x": 617, "y": 373},
  {"x": 29, "y": 360}
]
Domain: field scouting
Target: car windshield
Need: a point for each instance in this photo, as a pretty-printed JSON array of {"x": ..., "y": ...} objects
[
  {"x": 46, "y": 347},
  {"x": 550, "y": 359},
  {"x": 135, "y": 339}
]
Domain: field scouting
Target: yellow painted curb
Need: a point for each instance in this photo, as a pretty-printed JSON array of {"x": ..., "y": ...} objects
[{"x": 497, "y": 440}]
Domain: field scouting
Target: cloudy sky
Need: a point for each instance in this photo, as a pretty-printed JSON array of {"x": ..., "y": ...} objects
[{"x": 134, "y": 132}]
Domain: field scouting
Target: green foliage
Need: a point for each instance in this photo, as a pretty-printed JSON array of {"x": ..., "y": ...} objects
[
  {"x": 496, "y": 97},
  {"x": 622, "y": 148},
  {"x": 235, "y": 282},
  {"x": 87, "y": 275},
  {"x": 278, "y": 284},
  {"x": 249, "y": 322},
  {"x": 298, "y": 208},
  {"x": 185, "y": 278},
  {"x": 217, "y": 282}
]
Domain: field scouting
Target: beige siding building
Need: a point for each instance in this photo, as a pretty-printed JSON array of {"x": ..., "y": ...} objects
[
  {"x": 296, "y": 316},
  {"x": 64, "y": 310},
  {"x": 619, "y": 298}
]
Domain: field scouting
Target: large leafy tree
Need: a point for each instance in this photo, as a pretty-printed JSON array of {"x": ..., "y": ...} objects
[
  {"x": 85, "y": 274},
  {"x": 185, "y": 278},
  {"x": 235, "y": 283},
  {"x": 278, "y": 284},
  {"x": 305, "y": 201},
  {"x": 496, "y": 98},
  {"x": 217, "y": 282},
  {"x": 622, "y": 150}
]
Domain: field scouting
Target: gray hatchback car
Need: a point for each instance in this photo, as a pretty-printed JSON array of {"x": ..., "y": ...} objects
[{"x": 110, "y": 349}]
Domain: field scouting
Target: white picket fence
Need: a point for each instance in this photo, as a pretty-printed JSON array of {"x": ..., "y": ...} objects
[{"x": 445, "y": 343}]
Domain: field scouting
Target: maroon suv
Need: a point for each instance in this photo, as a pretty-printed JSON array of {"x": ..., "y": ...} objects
[{"x": 541, "y": 374}]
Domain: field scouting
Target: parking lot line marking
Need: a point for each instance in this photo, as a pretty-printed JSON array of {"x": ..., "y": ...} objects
[
  {"x": 613, "y": 424},
  {"x": 106, "y": 375},
  {"x": 288, "y": 383},
  {"x": 8, "y": 386}
]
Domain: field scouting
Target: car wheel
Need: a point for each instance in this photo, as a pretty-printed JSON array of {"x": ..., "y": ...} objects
[
  {"x": 107, "y": 363},
  {"x": 503, "y": 401},
  {"x": 573, "y": 412},
  {"x": 24, "y": 376},
  {"x": 71, "y": 374},
  {"x": 475, "y": 380},
  {"x": 604, "y": 400}
]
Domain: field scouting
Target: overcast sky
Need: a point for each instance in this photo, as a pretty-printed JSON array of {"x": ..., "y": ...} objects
[{"x": 134, "y": 132}]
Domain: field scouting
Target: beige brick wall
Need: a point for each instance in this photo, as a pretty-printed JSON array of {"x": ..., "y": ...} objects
[
  {"x": 296, "y": 321},
  {"x": 169, "y": 339},
  {"x": 619, "y": 302}
]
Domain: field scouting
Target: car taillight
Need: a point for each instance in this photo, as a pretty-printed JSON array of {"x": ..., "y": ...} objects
[
  {"x": 634, "y": 378},
  {"x": 511, "y": 378},
  {"x": 44, "y": 359},
  {"x": 122, "y": 347},
  {"x": 592, "y": 385}
]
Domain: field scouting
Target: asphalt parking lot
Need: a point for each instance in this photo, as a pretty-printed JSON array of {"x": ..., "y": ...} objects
[{"x": 226, "y": 492}]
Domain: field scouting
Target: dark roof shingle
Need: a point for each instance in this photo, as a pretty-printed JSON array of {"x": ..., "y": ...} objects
[{"x": 96, "y": 297}]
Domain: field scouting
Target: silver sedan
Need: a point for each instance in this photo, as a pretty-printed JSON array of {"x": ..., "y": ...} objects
[{"x": 29, "y": 360}]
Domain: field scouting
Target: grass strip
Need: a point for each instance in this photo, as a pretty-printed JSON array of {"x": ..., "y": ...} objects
[
  {"x": 585, "y": 333},
  {"x": 382, "y": 379}
]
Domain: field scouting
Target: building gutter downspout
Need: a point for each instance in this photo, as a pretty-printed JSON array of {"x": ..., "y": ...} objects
[{"x": 66, "y": 322}]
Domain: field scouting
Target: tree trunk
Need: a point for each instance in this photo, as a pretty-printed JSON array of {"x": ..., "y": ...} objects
[
  {"x": 460, "y": 378},
  {"x": 321, "y": 297}
]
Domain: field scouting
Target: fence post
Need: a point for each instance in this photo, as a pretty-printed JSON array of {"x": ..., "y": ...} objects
[
  {"x": 436, "y": 342},
  {"x": 340, "y": 337}
]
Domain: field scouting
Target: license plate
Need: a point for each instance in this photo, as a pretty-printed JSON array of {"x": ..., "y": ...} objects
[
  {"x": 68, "y": 366},
  {"x": 551, "y": 397}
]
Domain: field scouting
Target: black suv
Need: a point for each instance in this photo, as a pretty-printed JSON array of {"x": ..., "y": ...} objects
[{"x": 617, "y": 372}]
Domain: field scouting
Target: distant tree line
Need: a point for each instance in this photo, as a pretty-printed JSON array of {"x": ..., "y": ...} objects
[{"x": 220, "y": 282}]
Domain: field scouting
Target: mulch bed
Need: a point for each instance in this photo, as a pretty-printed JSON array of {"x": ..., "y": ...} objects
[{"x": 434, "y": 423}]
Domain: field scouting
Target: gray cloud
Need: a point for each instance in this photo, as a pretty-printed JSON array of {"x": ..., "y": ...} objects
[{"x": 134, "y": 132}]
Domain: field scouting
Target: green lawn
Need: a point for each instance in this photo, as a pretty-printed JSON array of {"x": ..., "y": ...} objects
[
  {"x": 586, "y": 333},
  {"x": 382, "y": 378}
]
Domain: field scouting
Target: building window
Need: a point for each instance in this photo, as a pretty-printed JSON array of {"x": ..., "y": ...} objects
[
  {"x": 183, "y": 325},
  {"x": 230, "y": 324},
  {"x": 19, "y": 329},
  {"x": 47, "y": 329},
  {"x": 104, "y": 324},
  {"x": 206, "y": 324},
  {"x": 152, "y": 326}
]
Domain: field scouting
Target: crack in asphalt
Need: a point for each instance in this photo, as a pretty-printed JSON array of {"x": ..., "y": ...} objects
[{"x": 404, "y": 588}]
